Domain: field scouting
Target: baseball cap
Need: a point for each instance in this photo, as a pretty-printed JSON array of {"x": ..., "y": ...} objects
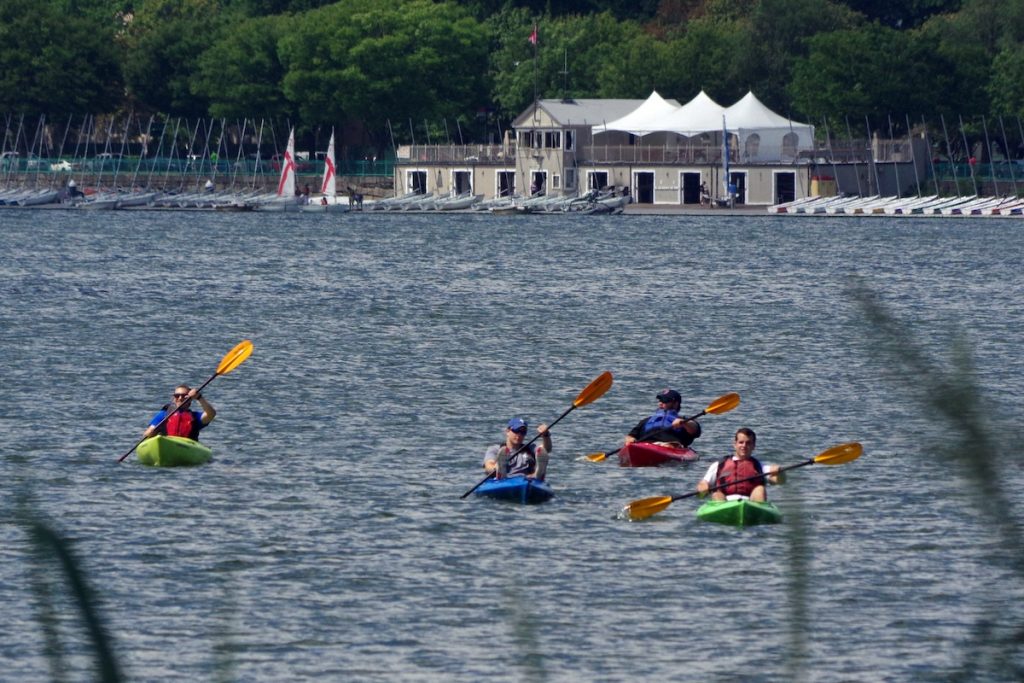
[
  {"x": 516, "y": 423},
  {"x": 667, "y": 395}
]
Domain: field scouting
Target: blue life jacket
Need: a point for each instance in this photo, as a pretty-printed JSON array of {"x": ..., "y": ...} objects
[{"x": 661, "y": 421}]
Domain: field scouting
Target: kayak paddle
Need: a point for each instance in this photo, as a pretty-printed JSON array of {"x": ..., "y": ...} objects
[
  {"x": 229, "y": 362},
  {"x": 722, "y": 404},
  {"x": 591, "y": 393},
  {"x": 646, "y": 507}
]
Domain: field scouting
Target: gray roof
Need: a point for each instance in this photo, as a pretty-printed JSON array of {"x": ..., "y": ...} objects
[{"x": 581, "y": 112}]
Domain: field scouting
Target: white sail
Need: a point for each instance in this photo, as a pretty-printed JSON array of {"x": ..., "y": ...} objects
[
  {"x": 328, "y": 187},
  {"x": 286, "y": 185}
]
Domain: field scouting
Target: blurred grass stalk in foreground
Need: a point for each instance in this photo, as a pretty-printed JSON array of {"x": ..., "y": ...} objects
[
  {"x": 54, "y": 561},
  {"x": 950, "y": 397}
]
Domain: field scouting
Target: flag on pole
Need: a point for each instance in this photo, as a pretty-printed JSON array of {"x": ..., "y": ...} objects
[{"x": 533, "y": 36}]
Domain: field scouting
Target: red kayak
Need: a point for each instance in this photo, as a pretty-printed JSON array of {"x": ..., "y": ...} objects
[{"x": 641, "y": 454}]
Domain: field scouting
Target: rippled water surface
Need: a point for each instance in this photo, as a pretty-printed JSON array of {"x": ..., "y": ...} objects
[{"x": 328, "y": 541}]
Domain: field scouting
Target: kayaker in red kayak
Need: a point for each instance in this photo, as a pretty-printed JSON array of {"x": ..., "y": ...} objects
[
  {"x": 665, "y": 425},
  {"x": 184, "y": 422},
  {"x": 729, "y": 472},
  {"x": 532, "y": 461}
]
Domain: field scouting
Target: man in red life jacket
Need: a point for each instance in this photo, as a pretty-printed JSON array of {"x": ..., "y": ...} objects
[
  {"x": 184, "y": 422},
  {"x": 741, "y": 475}
]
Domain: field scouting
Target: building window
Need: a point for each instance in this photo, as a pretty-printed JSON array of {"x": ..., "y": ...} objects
[
  {"x": 556, "y": 181},
  {"x": 570, "y": 178},
  {"x": 570, "y": 144},
  {"x": 789, "y": 143},
  {"x": 553, "y": 139},
  {"x": 752, "y": 146}
]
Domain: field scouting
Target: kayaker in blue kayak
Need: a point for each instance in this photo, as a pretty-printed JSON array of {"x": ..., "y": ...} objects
[
  {"x": 665, "y": 425},
  {"x": 184, "y": 422},
  {"x": 740, "y": 475},
  {"x": 506, "y": 459}
]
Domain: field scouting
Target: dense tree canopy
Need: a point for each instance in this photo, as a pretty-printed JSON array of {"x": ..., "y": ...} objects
[
  {"x": 57, "y": 62},
  {"x": 366, "y": 63}
]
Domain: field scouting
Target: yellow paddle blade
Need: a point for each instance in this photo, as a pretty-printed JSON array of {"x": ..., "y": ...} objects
[
  {"x": 596, "y": 457},
  {"x": 235, "y": 357},
  {"x": 594, "y": 390},
  {"x": 646, "y": 507},
  {"x": 723, "y": 404},
  {"x": 838, "y": 455}
]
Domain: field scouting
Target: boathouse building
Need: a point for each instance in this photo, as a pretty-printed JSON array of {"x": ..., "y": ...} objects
[{"x": 657, "y": 150}]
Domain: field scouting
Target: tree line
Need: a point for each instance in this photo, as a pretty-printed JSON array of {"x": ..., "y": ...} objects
[{"x": 383, "y": 72}]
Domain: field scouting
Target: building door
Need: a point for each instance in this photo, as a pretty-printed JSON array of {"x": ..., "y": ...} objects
[
  {"x": 738, "y": 185},
  {"x": 643, "y": 182},
  {"x": 785, "y": 187},
  {"x": 689, "y": 186},
  {"x": 417, "y": 181},
  {"x": 597, "y": 180},
  {"x": 462, "y": 181},
  {"x": 506, "y": 183},
  {"x": 538, "y": 183}
]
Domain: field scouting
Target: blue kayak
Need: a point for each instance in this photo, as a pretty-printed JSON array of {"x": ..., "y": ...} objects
[{"x": 516, "y": 489}]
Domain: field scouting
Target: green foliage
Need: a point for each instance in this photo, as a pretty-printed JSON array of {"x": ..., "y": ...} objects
[
  {"x": 1006, "y": 89},
  {"x": 849, "y": 73},
  {"x": 902, "y": 13},
  {"x": 363, "y": 61},
  {"x": 163, "y": 44},
  {"x": 703, "y": 62},
  {"x": 359, "y": 60},
  {"x": 777, "y": 34},
  {"x": 577, "y": 56},
  {"x": 241, "y": 74},
  {"x": 55, "y": 63}
]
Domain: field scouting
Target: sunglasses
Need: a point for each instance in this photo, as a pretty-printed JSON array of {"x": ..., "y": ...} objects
[
  {"x": 180, "y": 395},
  {"x": 521, "y": 430}
]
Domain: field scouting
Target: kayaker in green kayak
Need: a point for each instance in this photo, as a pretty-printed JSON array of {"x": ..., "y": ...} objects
[
  {"x": 507, "y": 459},
  {"x": 729, "y": 473},
  {"x": 184, "y": 422},
  {"x": 665, "y": 425}
]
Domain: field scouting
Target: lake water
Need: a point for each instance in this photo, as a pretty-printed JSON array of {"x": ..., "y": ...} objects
[{"x": 328, "y": 541}]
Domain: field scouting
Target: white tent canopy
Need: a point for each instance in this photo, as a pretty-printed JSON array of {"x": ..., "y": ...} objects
[
  {"x": 638, "y": 121},
  {"x": 700, "y": 115},
  {"x": 762, "y": 135}
]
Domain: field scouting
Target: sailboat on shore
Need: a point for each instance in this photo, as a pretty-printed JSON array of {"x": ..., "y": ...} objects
[
  {"x": 328, "y": 202},
  {"x": 285, "y": 199}
]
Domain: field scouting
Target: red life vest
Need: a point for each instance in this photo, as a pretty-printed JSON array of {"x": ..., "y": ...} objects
[
  {"x": 183, "y": 423},
  {"x": 730, "y": 470}
]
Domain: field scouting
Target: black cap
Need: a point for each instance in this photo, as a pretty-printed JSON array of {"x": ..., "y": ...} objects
[{"x": 669, "y": 395}]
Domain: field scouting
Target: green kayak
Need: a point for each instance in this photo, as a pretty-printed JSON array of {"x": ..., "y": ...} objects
[
  {"x": 739, "y": 512},
  {"x": 172, "y": 451}
]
